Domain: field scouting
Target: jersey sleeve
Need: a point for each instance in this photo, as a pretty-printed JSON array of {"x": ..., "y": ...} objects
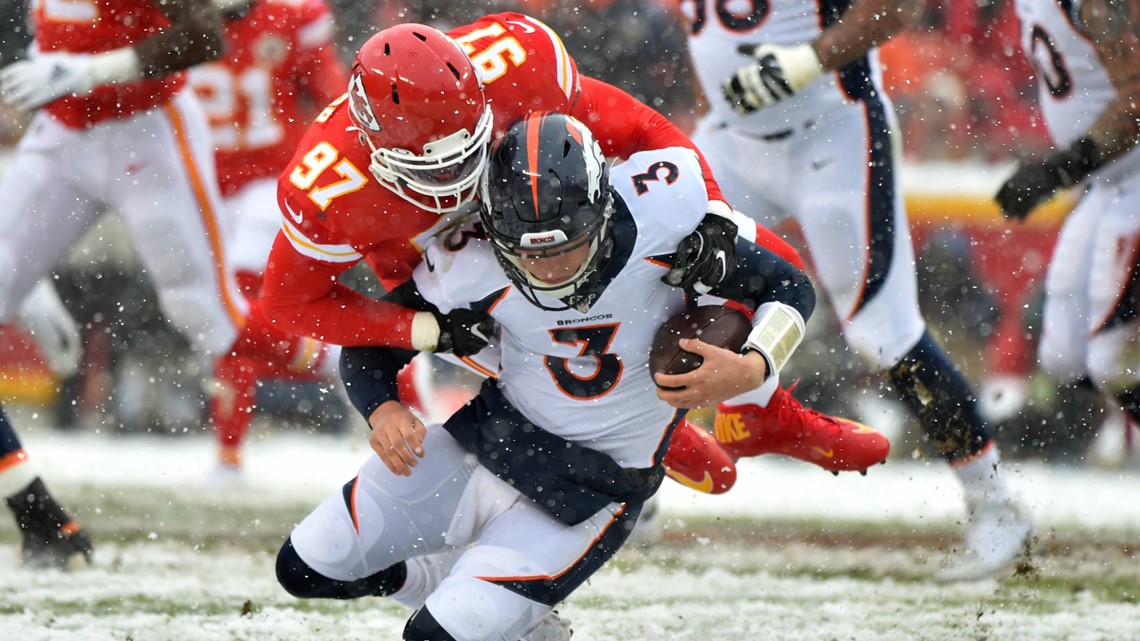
[
  {"x": 450, "y": 278},
  {"x": 624, "y": 125}
]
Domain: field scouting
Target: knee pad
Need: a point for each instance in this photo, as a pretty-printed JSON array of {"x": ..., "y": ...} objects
[
  {"x": 423, "y": 627},
  {"x": 303, "y": 582}
]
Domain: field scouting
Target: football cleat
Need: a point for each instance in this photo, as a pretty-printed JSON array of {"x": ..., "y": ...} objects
[
  {"x": 786, "y": 427},
  {"x": 66, "y": 549},
  {"x": 697, "y": 461},
  {"x": 997, "y": 536},
  {"x": 50, "y": 538}
]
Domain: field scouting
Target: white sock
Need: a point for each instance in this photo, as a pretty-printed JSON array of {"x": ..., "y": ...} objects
[
  {"x": 759, "y": 396},
  {"x": 18, "y": 476},
  {"x": 983, "y": 478}
]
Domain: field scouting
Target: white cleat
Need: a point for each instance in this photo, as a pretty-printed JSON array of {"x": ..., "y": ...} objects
[
  {"x": 997, "y": 536},
  {"x": 226, "y": 476},
  {"x": 551, "y": 628}
]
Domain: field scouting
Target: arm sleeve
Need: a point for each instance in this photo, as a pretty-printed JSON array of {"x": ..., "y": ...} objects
[
  {"x": 369, "y": 373},
  {"x": 623, "y": 126},
  {"x": 762, "y": 276}
]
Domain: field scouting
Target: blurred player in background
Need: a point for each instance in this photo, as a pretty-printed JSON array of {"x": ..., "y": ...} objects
[
  {"x": 1087, "y": 57},
  {"x": 798, "y": 125},
  {"x": 113, "y": 128},
  {"x": 399, "y": 159},
  {"x": 483, "y": 524},
  {"x": 279, "y": 67}
]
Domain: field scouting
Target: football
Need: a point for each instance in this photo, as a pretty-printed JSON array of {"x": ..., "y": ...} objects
[{"x": 713, "y": 324}]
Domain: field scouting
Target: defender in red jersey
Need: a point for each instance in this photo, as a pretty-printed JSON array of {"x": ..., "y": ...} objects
[{"x": 279, "y": 68}]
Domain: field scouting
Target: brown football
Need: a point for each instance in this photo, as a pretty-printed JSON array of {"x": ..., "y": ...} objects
[{"x": 713, "y": 324}]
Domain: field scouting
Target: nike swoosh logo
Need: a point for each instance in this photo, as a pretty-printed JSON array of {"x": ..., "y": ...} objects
[
  {"x": 828, "y": 453},
  {"x": 297, "y": 218},
  {"x": 705, "y": 485},
  {"x": 816, "y": 165},
  {"x": 522, "y": 25}
]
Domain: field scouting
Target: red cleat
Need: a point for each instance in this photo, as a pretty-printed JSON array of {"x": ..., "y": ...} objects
[
  {"x": 696, "y": 461},
  {"x": 787, "y": 427}
]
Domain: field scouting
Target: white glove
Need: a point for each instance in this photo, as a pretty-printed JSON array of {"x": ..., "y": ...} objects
[
  {"x": 44, "y": 316},
  {"x": 32, "y": 83},
  {"x": 777, "y": 73}
]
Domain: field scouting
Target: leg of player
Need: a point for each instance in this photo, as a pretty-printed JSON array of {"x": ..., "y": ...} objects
[
  {"x": 50, "y": 537},
  {"x": 261, "y": 351},
  {"x": 998, "y": 532}
]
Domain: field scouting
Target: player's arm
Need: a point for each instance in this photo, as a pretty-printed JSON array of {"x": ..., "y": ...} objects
[
  {"x": 781, "y": 298},
  {"x": 1113, "y": 26},
  {"x": 369, "y": 377},
  {"x": 776, "y": 72},
  {"x": 194, "y": 36}
]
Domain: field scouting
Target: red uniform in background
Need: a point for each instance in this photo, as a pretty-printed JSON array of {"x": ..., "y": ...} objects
[{"x": 278, "y": 69}]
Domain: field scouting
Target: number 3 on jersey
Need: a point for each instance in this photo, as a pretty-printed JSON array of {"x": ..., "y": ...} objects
[{"x": 592, "y": 342}]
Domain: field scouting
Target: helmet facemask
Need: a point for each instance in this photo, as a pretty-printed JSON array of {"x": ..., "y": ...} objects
[{"x": 547, "y": 194}]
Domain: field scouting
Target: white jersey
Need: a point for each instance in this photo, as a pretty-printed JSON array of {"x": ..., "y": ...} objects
[
  {"x": 584, "y": 376},
  {"x": 716, "y": 29},
  {"x": 1073, "y": 86}
]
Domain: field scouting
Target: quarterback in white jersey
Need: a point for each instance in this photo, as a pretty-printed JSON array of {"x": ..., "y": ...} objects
[
  {"x": 799, "y": 126},
  {"x": 537, "y": 482},
  {"x": 1085, "y": 53}
]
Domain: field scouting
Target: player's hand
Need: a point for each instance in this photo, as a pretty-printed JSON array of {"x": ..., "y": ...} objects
[
  {"x": 1034, "y": 183},
  {"x": 397, "y": 437},
  {"x": 464, "y": 332},
  {"x": 777, "y": 73},
  {"x": 706, "y": 257},
  {"x": 32, "y": 83},
  {"x": 1029, "y": 186},
  {"x": 722, "y": 375}
]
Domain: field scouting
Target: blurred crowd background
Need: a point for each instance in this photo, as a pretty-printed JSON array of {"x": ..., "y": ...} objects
[{"x": 966, "y": 102}]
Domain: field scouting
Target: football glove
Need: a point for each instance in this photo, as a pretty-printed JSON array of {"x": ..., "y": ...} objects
[
  {"x": 464, "y": 332},
  {"x": 777, "y": 73},
  {"x": 32, "y": 83},
  {"x": 706, "y": 257},
  {"x": 1034, "y": 183}
]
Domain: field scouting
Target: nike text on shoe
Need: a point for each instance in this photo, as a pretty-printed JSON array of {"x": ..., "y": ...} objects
[
  {"x": 697, "y": 461},
  {"x": 998, "y": 535},
  {"x": 786, "y": 427}
]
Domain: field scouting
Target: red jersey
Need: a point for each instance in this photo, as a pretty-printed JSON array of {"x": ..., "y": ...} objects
[
  {"x": 96, "y": 26},
  {"x": 336, "y": 214},
  {"x": 278, "y": 68}
]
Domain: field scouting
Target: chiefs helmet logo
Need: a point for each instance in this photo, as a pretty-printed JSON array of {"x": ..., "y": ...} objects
[{"x": 360, "y": 106}]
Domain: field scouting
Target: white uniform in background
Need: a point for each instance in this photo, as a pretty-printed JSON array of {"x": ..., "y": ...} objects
[
  {"x": 810, "y": 157},
  {"x": 1089, "y": 321}
]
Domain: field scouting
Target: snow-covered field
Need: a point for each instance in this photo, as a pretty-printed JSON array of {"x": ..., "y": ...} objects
[{"x": 791, "y": 553}]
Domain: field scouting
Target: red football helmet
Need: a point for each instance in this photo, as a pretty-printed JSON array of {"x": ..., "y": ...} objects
[{"x": 419, "y": 105}]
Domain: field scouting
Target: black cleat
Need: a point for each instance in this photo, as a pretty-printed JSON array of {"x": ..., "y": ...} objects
[
  {"x": 66, "y": 549},
  {"x": 51, "y": 538}
]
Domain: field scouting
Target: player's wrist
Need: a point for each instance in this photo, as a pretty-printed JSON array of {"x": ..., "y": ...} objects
[
  {"x": 425, "y": 332},
  {"x": 115, "y": 67},
  {"x": 801, "y": 65},
  {"x": 777, "y": 330}
]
